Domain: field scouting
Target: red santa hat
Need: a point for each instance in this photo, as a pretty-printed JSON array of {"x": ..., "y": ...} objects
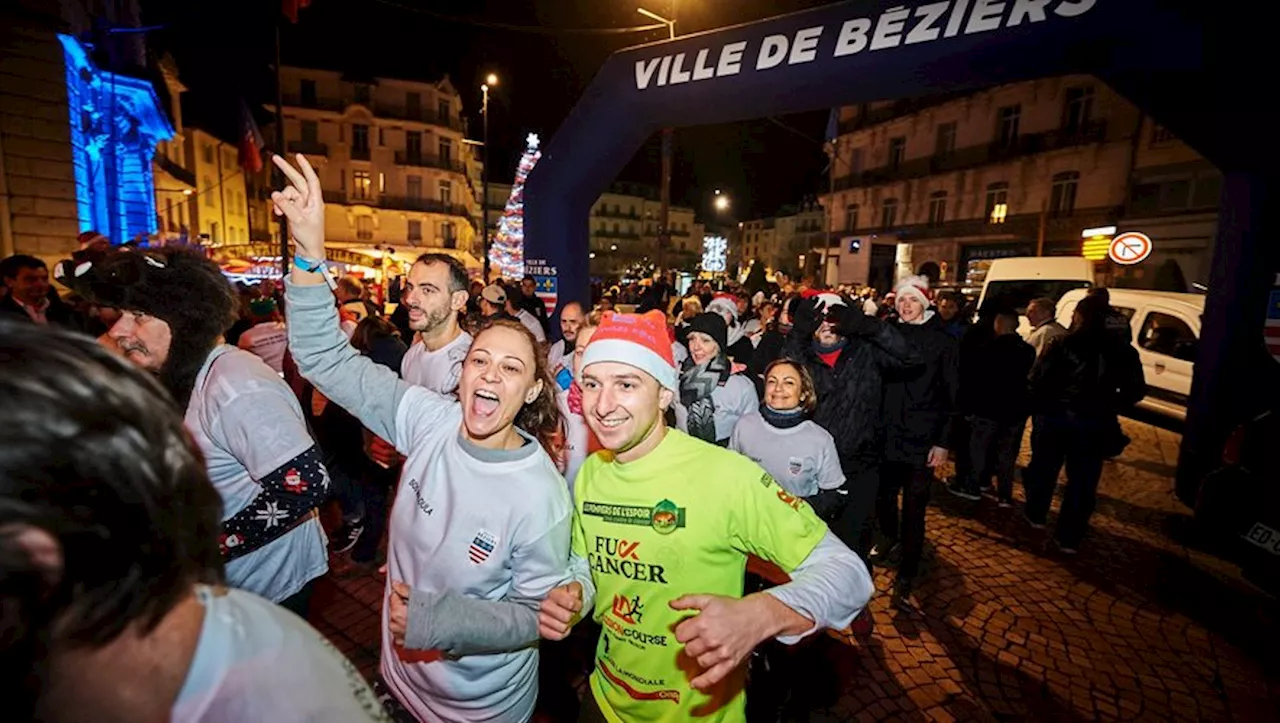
[
  {"x": 828, "y": 299},
  {"x": 724, "y": 305},
  {"x": 639, "y": 340},
  {"x": 915, "y": 286}
]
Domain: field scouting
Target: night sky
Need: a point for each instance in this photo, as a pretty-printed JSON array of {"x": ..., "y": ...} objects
[{"x": 225, "y": 49}]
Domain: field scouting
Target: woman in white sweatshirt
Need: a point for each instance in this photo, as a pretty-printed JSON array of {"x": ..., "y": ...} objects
[{"x": 479, "y": 530}]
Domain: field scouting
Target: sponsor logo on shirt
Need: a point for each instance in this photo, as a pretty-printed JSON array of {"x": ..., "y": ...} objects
[
  {"x": 766, "y": 479},
  {"x": 622, "y": 558},
  {"x": 635, "y": 693},
  {"x": 790, "y": 500},
  {"x": 629, "y": 611},
  {"x": 664, "y": 517},
  {"x": 795, "y": 465},
  {"x": 482, "y": 546}
]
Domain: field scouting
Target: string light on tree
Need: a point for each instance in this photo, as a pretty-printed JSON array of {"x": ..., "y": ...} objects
[{"x": 506, "y": 255}]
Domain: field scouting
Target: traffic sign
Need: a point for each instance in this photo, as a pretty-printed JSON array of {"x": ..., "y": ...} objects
[{"x": 1129, "y": 248}]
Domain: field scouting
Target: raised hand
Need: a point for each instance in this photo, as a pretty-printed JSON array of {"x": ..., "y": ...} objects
[{"x": 301, "y": 201}]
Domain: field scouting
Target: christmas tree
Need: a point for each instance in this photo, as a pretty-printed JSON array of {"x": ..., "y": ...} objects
[{"x": 506, "y": 254}]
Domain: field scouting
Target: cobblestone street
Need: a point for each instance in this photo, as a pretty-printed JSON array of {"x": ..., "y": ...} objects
[{"x": 1135, "y": 627}]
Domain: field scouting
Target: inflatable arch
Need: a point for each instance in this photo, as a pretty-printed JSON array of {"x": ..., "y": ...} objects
[{"x": 1188, "y": 64}]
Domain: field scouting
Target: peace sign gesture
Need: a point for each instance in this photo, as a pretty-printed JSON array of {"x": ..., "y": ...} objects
[{"x": 302, "y": 203}]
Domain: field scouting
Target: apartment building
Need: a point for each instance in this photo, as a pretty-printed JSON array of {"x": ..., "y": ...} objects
[
  {"x": 392, "y": 161},
  {"x": 784, "y": 242},
  {"x": 624, "y": 233},
  {"x": 1014, "y": 170}
]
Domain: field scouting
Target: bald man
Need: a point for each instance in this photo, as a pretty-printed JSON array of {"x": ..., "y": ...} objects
[{"x": 560, "y": 355}]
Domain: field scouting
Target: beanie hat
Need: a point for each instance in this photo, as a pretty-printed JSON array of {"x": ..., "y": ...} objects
[
  {"x": 713, "y": 326},
  {"x": 914, "y": 286},
  {"x": 639, "y": 340},
  {"x": 725, "y": 304}
]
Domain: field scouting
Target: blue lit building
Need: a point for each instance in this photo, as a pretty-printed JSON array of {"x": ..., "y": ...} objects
[{"x": 115, "y": 123}]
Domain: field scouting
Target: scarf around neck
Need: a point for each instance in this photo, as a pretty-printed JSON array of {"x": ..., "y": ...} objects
[
  {"x": 575, "y": 398},
  {"x": 781, "y": 418},
  {"x": 697, "y": 382}
]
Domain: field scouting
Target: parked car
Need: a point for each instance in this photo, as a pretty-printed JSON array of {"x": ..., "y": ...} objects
[
  {"x": 1016, "y": 281},
  {"x": 1165, "y": 331}
]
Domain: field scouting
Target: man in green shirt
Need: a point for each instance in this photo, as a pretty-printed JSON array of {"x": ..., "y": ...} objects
[{"x": 667, "y": 522}]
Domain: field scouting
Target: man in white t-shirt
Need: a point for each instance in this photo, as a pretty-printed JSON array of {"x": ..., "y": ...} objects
[
  {"x": 560, "y": 355},
  {"x": 175, "y": 305},
  {"x": 267, "y": 338},
  {"x": 112, "y": 571},
  {"x": 435, "y": 292}
]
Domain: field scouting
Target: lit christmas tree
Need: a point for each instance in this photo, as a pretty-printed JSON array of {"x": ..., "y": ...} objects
[{"x": 506, "y": 255}]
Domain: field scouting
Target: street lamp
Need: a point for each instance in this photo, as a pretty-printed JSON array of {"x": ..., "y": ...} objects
[
  {"x": 668, "y": 144},
  {"x": 491, "y": 80},
  {"x": 721, "y": 202}
]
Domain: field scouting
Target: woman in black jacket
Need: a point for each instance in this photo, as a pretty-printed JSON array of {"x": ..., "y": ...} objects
[
  {"x": 919, "y": 407},
  {"x": 1077, "y": 388}
]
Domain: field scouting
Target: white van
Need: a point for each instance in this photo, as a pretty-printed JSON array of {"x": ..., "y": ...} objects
[
  {"x": 1016, "y": 281},
  {"x": 1165, "y": 331}
]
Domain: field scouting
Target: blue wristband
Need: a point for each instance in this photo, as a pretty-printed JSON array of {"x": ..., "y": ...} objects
[{"x": 306, "y": 264}]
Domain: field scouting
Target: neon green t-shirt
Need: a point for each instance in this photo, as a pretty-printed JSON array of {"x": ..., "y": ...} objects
[{"x": 678, "y": 521}]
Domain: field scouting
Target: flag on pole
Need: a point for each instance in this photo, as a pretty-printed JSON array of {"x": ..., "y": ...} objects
[
  {"x": 290, "y": 8},
  {"x": 251, "y": 143}
]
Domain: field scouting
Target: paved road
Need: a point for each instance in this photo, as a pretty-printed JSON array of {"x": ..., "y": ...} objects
[{"x": 1135, "y": 627}]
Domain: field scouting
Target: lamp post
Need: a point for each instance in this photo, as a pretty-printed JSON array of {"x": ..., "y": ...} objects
[
  {"x": 668, "y": 142},
  {"x": 490, "y": 81}
]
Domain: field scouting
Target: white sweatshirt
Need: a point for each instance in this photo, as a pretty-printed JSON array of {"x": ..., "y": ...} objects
[
  {"x": 733, "y": 399},
  {"x": 481, "y": 536}
]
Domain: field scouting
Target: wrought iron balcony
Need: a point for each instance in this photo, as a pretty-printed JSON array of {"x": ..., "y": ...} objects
[
  {"x": 425, "y": 160},
  {"x": 310, "y": 148}
]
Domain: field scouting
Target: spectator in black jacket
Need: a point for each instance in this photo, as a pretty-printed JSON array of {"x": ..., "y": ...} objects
[
  {"x": 31, "y": 298},
  {"x": 998, "y": 410},
  {"x": 919, "y": 405},
  {"x": 1076, "y": 389},
  {"x": 848, "y": 352}
]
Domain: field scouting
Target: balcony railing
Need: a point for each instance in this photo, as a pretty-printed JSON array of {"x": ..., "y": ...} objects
[
  {"x": 606, "y": 213},
  {"x": 1026, "y": 225},
  {"x": 173, "y": 169},
  {"x": 310, "y": 148},
  {"x": 383, "y": 110},
  {"x": 359, "y": 154},
  {"x": 626, "y": 235},
  {"x": 409, "y": 203},
  {"x": 424, "y": 160},
  {"x": 421, "y": 115},
  {"x": 897, "y": 109},
  {"x": 974, "y": 156}
]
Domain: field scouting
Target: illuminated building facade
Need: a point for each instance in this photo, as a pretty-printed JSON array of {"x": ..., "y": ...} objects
[{"x": 115, "y": 123}]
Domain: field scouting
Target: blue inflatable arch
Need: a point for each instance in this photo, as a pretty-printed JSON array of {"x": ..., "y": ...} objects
[{"x": 1157, "y": 53}]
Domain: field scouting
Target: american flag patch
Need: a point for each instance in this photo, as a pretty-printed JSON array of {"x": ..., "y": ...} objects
[{"x": 481, "y": 546}]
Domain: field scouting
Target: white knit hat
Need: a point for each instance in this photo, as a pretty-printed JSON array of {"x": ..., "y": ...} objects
[{"x": 725, "y": 305}]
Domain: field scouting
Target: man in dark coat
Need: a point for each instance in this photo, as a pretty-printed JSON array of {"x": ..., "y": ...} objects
[
  {"x": 30, "y": 297},
  {"x": 848, "y": 353}
]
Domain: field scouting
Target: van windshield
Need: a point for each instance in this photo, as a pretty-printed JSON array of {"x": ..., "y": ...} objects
[{"x": 1019, "y": 293}]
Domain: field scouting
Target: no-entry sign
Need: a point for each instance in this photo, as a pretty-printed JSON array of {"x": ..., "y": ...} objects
[{"x": 1129, "y": 248}]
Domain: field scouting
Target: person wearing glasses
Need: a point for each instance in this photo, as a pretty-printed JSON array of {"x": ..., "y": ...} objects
[
  {"x": 848, "y": 354},
  {"x": 175, "y": 305}
]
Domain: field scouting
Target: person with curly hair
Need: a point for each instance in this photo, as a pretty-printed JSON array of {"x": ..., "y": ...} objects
[{"x": 480, "y": 526}]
